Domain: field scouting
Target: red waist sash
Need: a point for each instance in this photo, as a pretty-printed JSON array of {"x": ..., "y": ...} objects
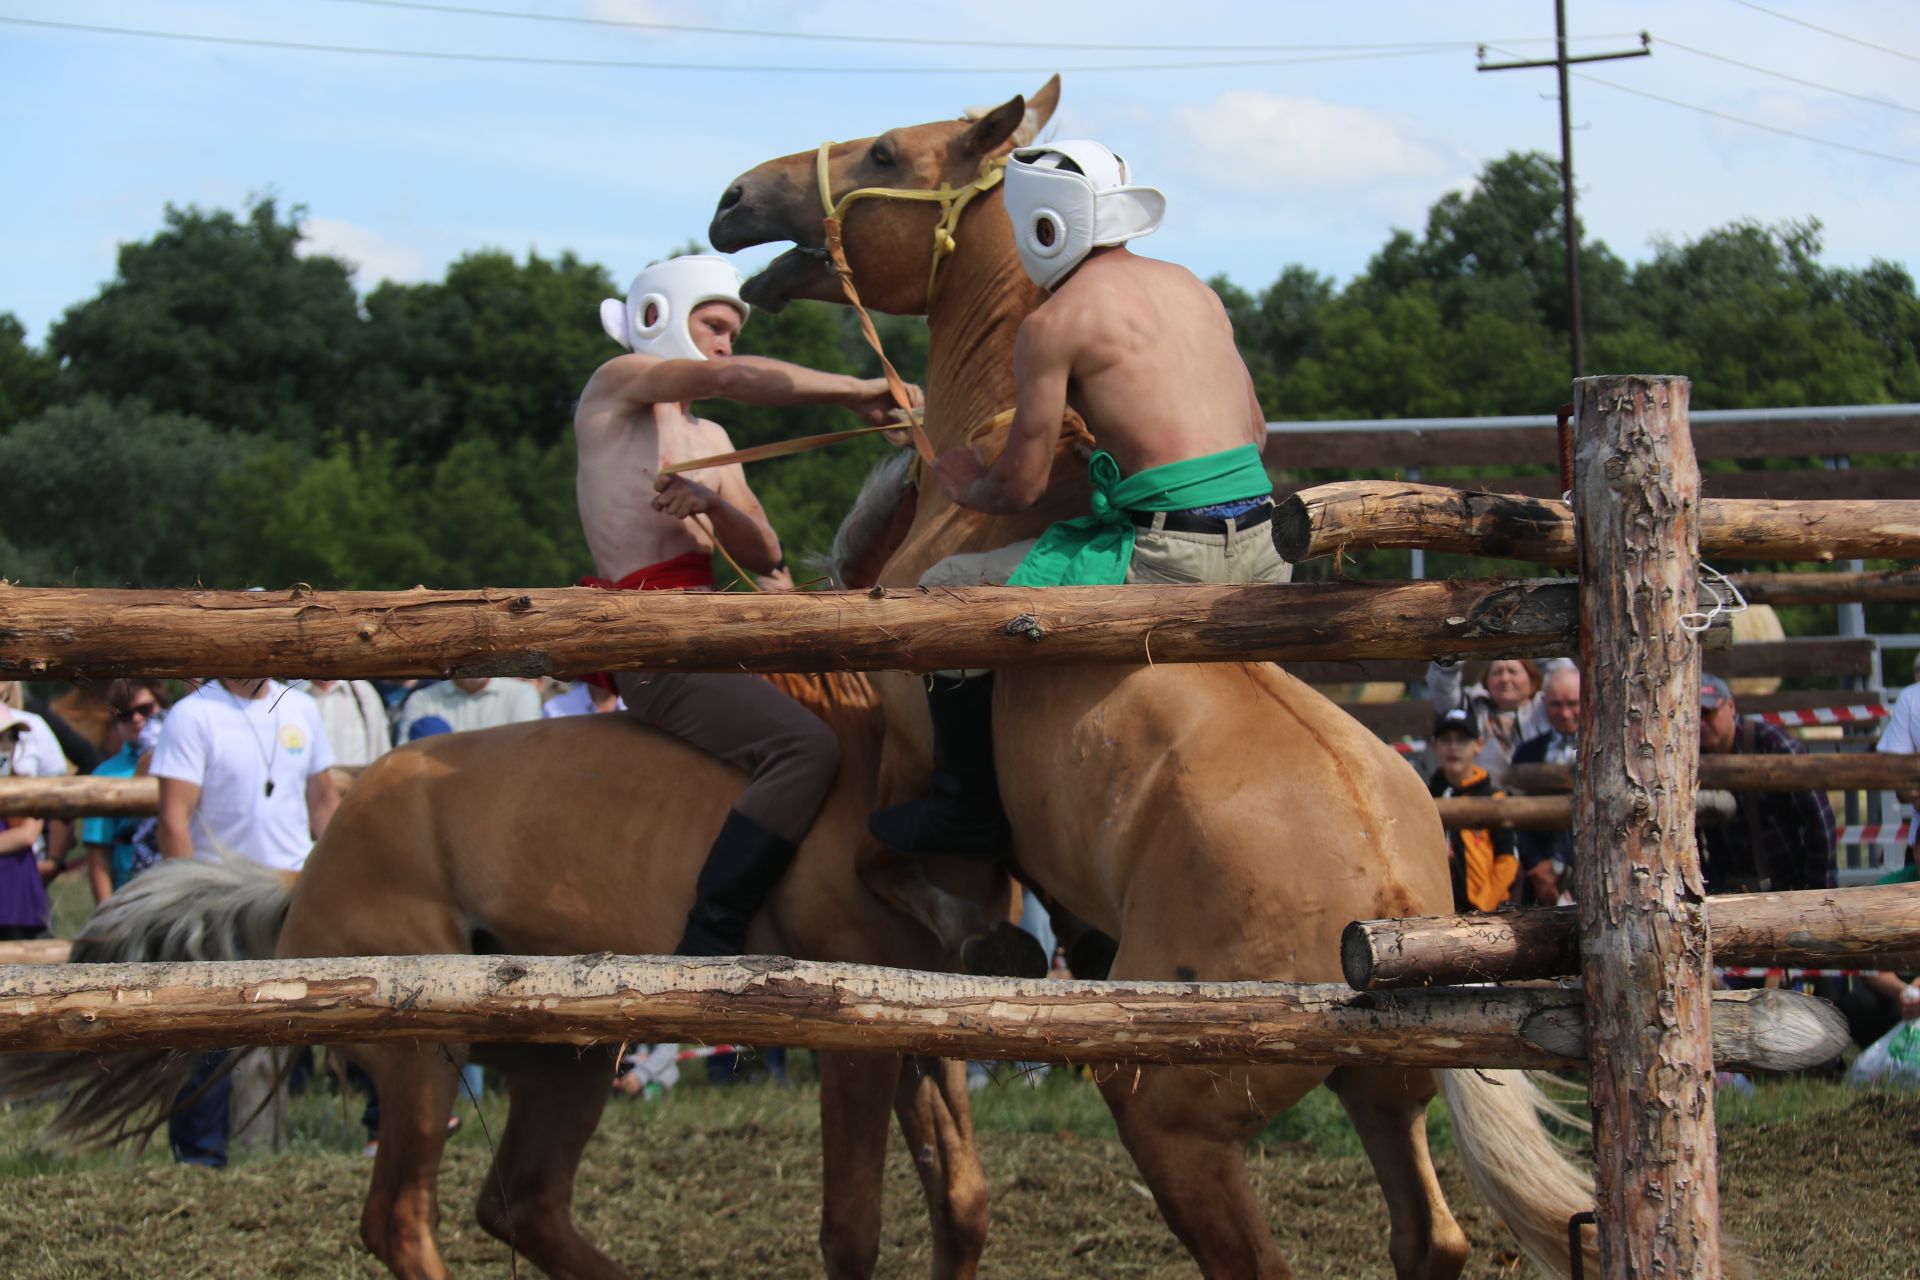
[{"x": 694, "y": 569}]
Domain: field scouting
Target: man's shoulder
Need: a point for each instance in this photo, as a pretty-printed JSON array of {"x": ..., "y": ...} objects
[
  {"x": 613, "y": 379},
  {"x": 1533, "y": 750},
  {"x": 1772, "y": 740}
]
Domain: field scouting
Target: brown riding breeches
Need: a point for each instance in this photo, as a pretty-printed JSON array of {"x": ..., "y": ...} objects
[{"x": 789, "y": 754}]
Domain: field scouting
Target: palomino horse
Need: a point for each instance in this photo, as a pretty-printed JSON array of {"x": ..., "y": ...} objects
[
  {"x": 1222, "y": 821},
  {"x": 554, "y": 837}
]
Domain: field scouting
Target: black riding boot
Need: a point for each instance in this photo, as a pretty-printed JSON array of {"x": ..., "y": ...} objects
[
  {"x": 741, "y": 869},
  {"x": 961, "y": 813}
]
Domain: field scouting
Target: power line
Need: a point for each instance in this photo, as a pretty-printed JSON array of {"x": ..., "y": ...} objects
[
  {"x": 1754, "y": 124},
  {"x": 1781, "y": 75},
  {"x": 1825, "y": 31},
  {"x": 749, "y": 68},
  {"x": 928, "y": 41}
]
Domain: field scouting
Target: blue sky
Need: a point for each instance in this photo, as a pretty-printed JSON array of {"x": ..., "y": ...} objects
[{"x": 405, "y": 164}]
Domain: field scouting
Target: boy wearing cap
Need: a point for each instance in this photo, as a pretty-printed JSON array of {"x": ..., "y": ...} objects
[
  {"x": 1481, "y": 863},
  {"x": 649, "y": 531},
  {"x": 1144, "y": 351}
]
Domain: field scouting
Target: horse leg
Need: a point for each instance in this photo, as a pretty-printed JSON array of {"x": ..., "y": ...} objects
[
  {"x": 1187, "y": 1129},
  {"x": 416, "y": 1084},
  {"x": 1389, "y": 1109},
  {"x": 554, "y": 1099},
  {"x": 936, "y": 1119},
  {"x": 854, "y": 1088}
]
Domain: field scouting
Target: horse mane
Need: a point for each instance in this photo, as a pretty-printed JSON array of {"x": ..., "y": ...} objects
[{"x": 872, "y": 528}]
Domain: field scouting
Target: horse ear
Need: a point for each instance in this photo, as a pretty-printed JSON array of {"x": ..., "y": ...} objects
[
  {"x": 1040, "y": 109},
  {"x": 994, "y": 129}
]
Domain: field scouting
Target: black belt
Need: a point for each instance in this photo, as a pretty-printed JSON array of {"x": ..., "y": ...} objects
[{"x": 1187, "y": 522}]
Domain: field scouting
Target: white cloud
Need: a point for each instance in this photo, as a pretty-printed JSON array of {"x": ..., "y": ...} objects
[
  {"x": 375, "y": 254},
  {"x": 1250, "y": 140}
]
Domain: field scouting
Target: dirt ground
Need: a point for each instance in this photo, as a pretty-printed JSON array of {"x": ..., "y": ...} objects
[{"x": 1830, "y": 1192}]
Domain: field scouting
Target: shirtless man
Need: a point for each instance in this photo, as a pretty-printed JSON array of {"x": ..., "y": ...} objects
[
  {"x": 1145, "y": 352},
  {"x": 649, "y": 531}
]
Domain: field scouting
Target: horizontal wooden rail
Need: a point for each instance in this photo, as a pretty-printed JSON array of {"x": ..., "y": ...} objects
[
  {"x": 1825, "y": 772},
  {"x": 772, "y": 1001},
  {"x": 63, "y": 633},
  {"x": 1779, "y": 486},
  {"x": 81, "y": 796},
  {"x": 1549, "y": 813},
  {"x": 35, "y": 951},
  {"x": 1876, "y": 927},
  {"x": 1361, "y": 515},
  {"x": 1824, "y": 432}
]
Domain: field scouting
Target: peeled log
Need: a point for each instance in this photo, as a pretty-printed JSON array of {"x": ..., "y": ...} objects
[
  {"x": 1828, "y": 588},
  {"x": 79, "y": 796},
  {"x": 773, "y": 1001},
  {"x": 1874, "y": 927},
  {"x": 1361, "y": 515},
  {"x": 1544, "y": 813},
  {"x": 1864, "y": 771},
  {"x": 49, "y": 633},
  {"x": 36, "y": 951}
]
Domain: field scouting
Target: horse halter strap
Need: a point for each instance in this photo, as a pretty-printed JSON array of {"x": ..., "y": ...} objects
[{"x": 953, "y": 202}]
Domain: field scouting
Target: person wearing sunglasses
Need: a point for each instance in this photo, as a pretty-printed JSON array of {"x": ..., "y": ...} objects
[{"x": 115, "y": 854}]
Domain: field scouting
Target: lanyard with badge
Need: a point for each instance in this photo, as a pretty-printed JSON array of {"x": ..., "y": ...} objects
[{"x": 267, "y": 753}]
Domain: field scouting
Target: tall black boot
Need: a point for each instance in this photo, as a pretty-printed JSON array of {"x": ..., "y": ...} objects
[
  {"x": 746, "y": 861},
  {"x": 961, "y": 813}
]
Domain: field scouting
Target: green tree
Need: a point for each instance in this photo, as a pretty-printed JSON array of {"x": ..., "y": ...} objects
[
  {"x": 104, "y": 494},
  {"x": 498, "y": 349},
  {"x": 221, "y": 318},
  {"x": 27, "y": 376}
]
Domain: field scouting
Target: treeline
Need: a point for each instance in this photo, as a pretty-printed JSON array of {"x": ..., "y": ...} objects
[{"x": 228, "y": 411}]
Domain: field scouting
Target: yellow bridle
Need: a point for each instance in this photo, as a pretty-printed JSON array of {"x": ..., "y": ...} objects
[{"x": 953, "y": 202}]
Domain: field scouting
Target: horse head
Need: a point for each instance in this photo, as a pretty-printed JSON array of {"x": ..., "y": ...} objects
[{"x": 890, "y": 242}]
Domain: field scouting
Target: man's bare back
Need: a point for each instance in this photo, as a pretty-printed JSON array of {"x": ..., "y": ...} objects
[{"x": 1144, "y": 350}]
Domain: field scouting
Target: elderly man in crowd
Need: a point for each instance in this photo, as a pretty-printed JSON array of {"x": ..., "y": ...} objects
[
  {"x": 1546, "y": 857},
  {"x": 469, "y": 703},
  {"x": 1776, "y": 840}
]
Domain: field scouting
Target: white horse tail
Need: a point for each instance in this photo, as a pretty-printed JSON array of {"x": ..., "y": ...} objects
[
  {"x": 1525, "y": 1175},
  {"x": 179, "y": 910}
]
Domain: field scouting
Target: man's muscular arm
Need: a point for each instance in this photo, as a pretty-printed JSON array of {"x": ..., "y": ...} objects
[
  {"x": 638, "y": 381},
  {"x": 1042, "y": 366}
]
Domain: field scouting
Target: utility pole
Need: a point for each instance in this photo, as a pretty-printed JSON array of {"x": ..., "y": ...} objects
[{"x": 1560, "y": 62}]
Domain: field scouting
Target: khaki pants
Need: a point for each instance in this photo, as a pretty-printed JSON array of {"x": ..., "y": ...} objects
[{"x": 1161, "y": 557}]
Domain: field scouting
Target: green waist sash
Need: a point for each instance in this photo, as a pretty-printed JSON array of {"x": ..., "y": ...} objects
[{"x": 1095, "y": 549}]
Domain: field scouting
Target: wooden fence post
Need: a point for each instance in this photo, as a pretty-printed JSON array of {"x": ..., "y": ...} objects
[{"x": 1643, "y": 931}]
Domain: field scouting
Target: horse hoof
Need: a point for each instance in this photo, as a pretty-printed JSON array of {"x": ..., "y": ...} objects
[{"x": 1004, "y": 951}]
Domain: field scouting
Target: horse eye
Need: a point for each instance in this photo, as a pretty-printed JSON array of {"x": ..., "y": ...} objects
[{"x": 881, "y": 156}]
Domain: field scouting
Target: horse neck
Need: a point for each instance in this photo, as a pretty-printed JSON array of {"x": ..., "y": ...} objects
[
  {"x": 972, "y": 324},
  {"x": 984, "y": 295}
]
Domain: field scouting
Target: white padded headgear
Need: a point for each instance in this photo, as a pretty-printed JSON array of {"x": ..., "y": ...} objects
[
  {"x": 672, "y": 289},
  {"x": 1081, "y": 211}
]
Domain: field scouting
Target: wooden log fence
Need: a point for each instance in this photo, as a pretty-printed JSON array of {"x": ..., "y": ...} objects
[
  {"x": 1364, "y": 515},
  {"x": 775, "y": 1001},
  {"x": 60, "y": 633},
  {"x": 1863, "y": 771},
  {"x": 1547, "y": 813},
  {"x": 1643, "y": 931},
  {"x": 1874, "y": 927}
]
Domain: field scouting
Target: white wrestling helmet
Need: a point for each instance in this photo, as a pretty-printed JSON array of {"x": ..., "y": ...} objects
[
  {"x": 653, "y": 319},
  {"x": 1067, "y": 199}
]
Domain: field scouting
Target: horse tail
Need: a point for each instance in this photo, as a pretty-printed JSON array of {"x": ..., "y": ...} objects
[
  {"x": 1517, "y": 1165},
  {"x": 178, "y": 910}
]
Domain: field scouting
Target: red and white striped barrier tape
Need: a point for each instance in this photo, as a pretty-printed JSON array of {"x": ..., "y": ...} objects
[
  {"x": 1855, "y": 713},
  {"x": 1891, "y": 835}
]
